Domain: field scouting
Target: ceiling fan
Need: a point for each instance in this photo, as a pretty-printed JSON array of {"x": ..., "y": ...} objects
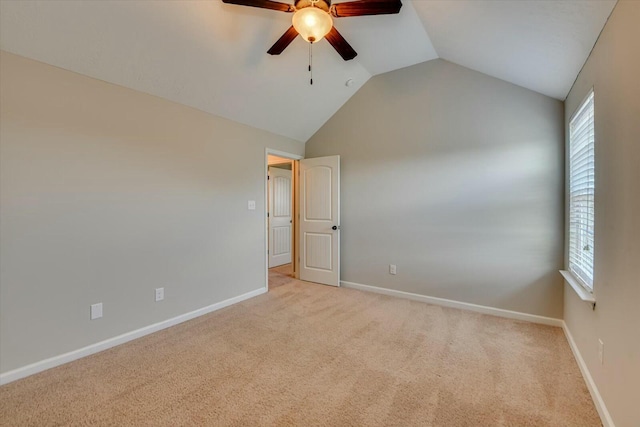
[{"x": 312, "y": 20}]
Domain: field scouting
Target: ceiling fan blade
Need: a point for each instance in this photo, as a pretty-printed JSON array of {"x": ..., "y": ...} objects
[
  {"x": 264, "y": 4},
  {"x": 338, "y": 42},
  {"x": 283, "y": 41},
  {"x": 366, "y": 7}
]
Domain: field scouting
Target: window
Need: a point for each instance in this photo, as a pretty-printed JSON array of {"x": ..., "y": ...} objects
[{"x": 581, "y": 192}]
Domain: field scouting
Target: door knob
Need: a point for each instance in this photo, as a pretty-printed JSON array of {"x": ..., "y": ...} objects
[{"x": 335, "y": 227}]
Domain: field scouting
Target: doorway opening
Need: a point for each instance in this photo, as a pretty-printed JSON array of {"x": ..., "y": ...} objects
[{"x": 281, "y": 215}]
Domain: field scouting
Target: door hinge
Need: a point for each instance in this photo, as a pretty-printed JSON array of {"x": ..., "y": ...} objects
[{"x": 267, "y": 214}]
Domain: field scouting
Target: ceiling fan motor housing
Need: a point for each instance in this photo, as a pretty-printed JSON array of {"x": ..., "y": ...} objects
[{"x": 320, "y": 4}]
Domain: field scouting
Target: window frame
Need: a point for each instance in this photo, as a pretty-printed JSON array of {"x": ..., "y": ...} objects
[{"x": 578, "y": 270}]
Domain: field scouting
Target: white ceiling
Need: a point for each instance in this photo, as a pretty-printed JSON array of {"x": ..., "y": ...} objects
[
  {"x": 540, "y": 45},
  {"x": 212, "y": 56}
]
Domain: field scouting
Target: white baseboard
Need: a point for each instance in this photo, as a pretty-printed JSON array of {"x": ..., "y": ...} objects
[
  {"x": 605, "y": 417},
  {"x": 61, "y": 359},
  {"x": 457, "y": 304}
]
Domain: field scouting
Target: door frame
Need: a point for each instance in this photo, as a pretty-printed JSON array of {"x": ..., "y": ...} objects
[{"x": 294, "y": 176}]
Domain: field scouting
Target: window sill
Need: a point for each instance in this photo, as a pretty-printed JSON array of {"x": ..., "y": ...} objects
[{"x": 584, "y": 294}]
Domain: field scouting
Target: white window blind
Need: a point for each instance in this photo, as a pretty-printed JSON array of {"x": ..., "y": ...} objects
[{"x": 581, "y": 192}]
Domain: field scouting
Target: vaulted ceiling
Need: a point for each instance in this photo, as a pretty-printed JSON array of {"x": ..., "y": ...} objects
[{"x": 212, "y": 56}]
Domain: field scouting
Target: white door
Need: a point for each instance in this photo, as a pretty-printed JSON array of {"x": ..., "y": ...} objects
[
  {"x": 279, "y": 216},
  {"x": 320, "y": 220}
]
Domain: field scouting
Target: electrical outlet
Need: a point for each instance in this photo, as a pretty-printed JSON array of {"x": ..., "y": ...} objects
[
  {"x": 159, "y": 294},
  {"x": 251, "y": 205},
  {"x": 601, "y": 351},
  {"x": 96, "y": 311},
  {"x": 392, "y": 269}
]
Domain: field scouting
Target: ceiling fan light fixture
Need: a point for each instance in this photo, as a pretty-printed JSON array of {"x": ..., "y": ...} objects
[{"x": 312, "y": 23}]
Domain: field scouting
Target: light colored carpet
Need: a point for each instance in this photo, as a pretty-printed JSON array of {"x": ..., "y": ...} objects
[
  {"x": 280, "y": 275},
  {"x": 307, "y": 354}
]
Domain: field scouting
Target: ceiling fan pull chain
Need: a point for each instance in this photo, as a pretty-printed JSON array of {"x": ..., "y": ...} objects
[{"x": 311, "y": 63}]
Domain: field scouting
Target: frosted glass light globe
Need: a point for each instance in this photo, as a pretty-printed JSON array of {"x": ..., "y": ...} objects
[{"x": 312, "y": 23}]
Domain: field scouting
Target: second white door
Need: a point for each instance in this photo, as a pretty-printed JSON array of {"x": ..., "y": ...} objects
[{"x": 279, "y": 216}]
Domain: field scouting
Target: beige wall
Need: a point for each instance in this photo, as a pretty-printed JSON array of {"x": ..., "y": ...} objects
[
  {"x": 106, "y": 194},
  {"x": 457, "y": 178},
  {"x": 613, "y": 70}
]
